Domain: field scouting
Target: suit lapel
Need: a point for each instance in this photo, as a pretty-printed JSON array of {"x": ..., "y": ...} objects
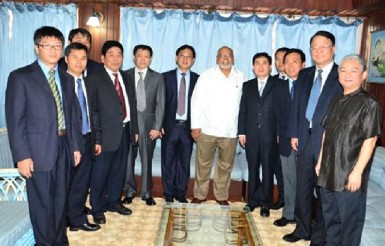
[
  {"x": 268, "y": 86},
  {"x": 40, "y": 78}
]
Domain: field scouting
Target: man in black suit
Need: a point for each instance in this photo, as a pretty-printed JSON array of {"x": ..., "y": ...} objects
[
  {"x": 257, "y": 130},
  {"x": 150, "y": 96},
  {"x": 294, "y": 61},
  {"x": 76, "y": 59},
  {"x": 316, "y": 86},
  {"x": 83, "y": 36},
  {"x": 115, "y": 125},
  {"x": 177, "y": 142},
  {"x": 44, "y": 134},
  {"x": 280, "y": 66}
]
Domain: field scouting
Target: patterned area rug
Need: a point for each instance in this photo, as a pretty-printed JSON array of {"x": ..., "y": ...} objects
[{"x": 141, "y": 226}]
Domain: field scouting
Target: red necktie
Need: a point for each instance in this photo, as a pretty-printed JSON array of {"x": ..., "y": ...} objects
[{"x": 119, "y": 90}]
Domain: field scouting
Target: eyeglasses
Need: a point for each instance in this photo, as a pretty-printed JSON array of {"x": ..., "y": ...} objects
[
  {"x": 50, "y": 46},
  {"x": 322, "y": 47}
]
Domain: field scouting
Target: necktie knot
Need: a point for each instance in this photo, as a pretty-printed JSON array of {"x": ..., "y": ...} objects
[
  {"x": 79, "y": 81},
  {"x": 51, "y": 72},
  {"x": 183, "y": 75}
]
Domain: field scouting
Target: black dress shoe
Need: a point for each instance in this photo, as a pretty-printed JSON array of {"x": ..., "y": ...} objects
[
  {"x": 99, "y": 218},
  {"x": 169, "y": 199},
  {"x": 283, "y": 222},
  {"x": 182, "y": 199},
  {"x": 291, "y": 238},
  {"x": 223, "y": 202},
  {"x": 277, "y": 205},
  {"x": 149, "y": 201},
  {"x": 85, "y": 227},
  {"x": 198, "y": 201},
  {"x": 127, "y": 200},
  {"x": 265, "y": 212},
  {"x": 120, "y": 209},
  {"x": 87, "y": 210}
]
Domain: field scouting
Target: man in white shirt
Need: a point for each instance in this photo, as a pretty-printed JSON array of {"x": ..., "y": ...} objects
[{"x": 214, "y": 123}]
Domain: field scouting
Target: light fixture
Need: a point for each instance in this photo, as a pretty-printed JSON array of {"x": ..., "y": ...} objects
[{"x": 95, "y": 19}]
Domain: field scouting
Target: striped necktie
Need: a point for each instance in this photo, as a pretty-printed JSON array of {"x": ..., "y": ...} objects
[{"x": 56, "y": 95}]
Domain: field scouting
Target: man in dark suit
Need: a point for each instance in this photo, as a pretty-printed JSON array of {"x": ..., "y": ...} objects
[
  {"x": 76, "y": 59},
  {"x": 150, "y": 96},
  {"x": 257, "y": 130},
  {"x": 83, "y": 36},
  {"x": 44, "y": 134},
  {"x": 317, "y": 85},
  {"x": 177, "y": 142},
  {"x": 115, "y": 125},
  {"x": 294, "y": 61},
  {"x": 280, "y": 66}
]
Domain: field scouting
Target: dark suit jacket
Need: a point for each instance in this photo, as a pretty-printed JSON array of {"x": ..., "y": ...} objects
[
  {"x": 152, "y": 117},
  {"x": 171, "y": 83},
  {"x": 32, "y": 116},
  {"x": 257, "y": 119},
  {"x": 282, "y": 107},
  {"x": 107, "y": 114},
  {"x": 92, "y": 66},
  {"x": 299, "y": 125}
]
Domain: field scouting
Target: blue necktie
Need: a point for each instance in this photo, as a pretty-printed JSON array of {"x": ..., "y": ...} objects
[
  {"x": 83, "y": 107},
  {"x": 314, "y": 95},
  {"x": 292, "y": 88}
]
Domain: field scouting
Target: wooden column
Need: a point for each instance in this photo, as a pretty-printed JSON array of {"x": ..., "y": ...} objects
[{"x": 109, "y": 28}]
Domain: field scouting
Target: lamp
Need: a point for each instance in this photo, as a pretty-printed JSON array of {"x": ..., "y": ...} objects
[{"x": 95, "y": 19}]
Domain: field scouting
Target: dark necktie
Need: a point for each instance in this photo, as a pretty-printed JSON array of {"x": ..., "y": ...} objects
[
  {"x": 292, "y": 89},
  {"x": 140, "y": 94},
  {"x": 284, "y": 77},
  {"x": 182, "y": 96},
  {"x": 56, "y": 95},
  {"x": 119, "y": 90},
  {"x": 83, "y": 107},
  {"x": 314, "y": 95}
]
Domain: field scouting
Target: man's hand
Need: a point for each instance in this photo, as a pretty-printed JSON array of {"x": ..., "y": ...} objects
[
  {"x": 136, "y": 138},
  {"x": 354, "y": 181},
  {"x": 196, "y": 134},
  {"x": 154, "y": 134},
  {"x": 77, "y": 157},
  {"x": 242, "y": 140},
  {"x": 317, "y": 168},
  {"x": 294, "y": 143},
  {"x": 25, "y": 167},
  {"x": 98, "y": 149}
]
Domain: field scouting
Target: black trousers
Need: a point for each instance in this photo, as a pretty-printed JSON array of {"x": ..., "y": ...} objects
[
  {"x": 306, "y": 184},
  {"x": 80, "y": 184},
  {"x": 176, "y": 153},
  {"x": 344, "y": 216},
  {"x": 108, "y": 175},
  {"x": 260, "y": 192},
  {"x": 47, "y": 200}
]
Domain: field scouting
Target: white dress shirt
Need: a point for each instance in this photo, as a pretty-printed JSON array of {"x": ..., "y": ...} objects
[{"x": 215, "y": 102}]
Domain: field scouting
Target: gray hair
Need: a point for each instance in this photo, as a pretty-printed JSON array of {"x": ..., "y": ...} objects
[{"x": 355, "y": 57}]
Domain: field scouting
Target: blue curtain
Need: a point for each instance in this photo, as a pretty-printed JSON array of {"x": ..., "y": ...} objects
[
  {"x": 168, "y": 30},
  {"x": 297, "y": 33},
  {"x": 18, "y": 23}
]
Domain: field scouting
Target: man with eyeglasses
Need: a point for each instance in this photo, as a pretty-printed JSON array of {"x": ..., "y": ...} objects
[
  {"x": 44, "y": 134},
  {"x": 316, "y": 86},
  {"x": 214, "y": 122},
  {"x": 177, "y": 142}
]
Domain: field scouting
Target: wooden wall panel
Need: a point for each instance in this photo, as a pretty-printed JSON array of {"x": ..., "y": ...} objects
[
  {"x": 374, "y": 23},
  {"x": 109, "y": 29}
]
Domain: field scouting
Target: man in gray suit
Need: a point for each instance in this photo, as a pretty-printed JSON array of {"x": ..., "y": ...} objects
[{"x": 150, "y": 96}]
